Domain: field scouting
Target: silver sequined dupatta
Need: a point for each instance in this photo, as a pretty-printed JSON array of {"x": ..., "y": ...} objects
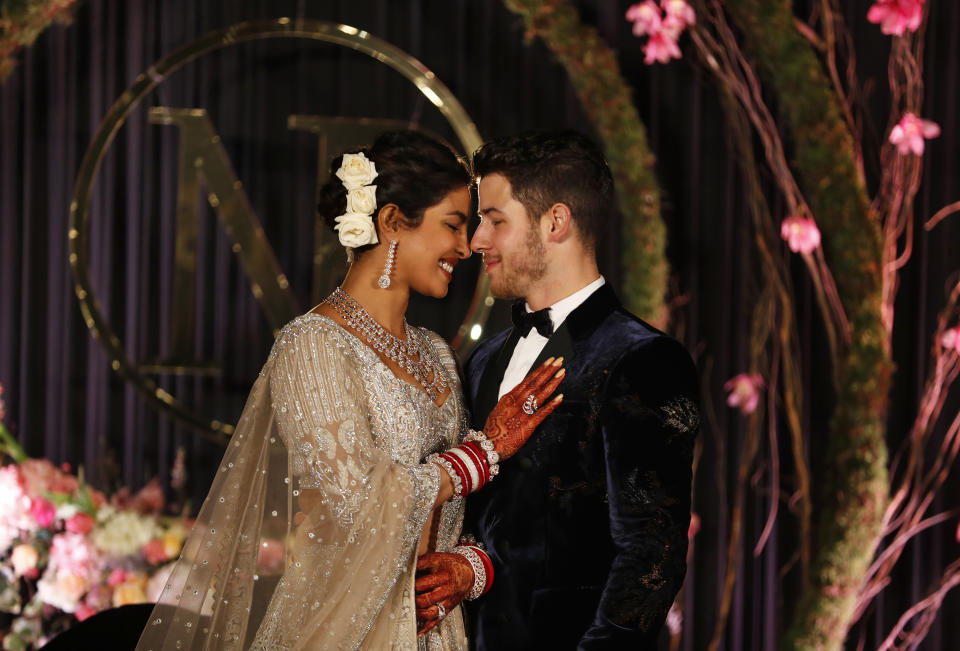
[{"x": 308, "y": 536}]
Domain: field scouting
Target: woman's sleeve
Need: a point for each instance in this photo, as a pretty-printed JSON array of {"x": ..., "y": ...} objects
[{"x": 362, "y": 513}]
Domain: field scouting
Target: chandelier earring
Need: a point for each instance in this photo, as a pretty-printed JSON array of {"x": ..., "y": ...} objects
[{"x": 384, "y": 280}]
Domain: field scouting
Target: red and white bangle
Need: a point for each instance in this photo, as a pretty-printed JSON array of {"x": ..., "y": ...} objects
[
  {"x": 480, "y": 439},
  {"x": 471, "y": 464},
  {"x": 482, "y": 569}
]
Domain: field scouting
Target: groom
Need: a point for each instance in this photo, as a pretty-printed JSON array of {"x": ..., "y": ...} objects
[{"x": 586, "y": 526}]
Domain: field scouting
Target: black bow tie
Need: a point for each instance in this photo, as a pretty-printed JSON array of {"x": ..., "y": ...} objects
[{"x": 523, "y": 321}]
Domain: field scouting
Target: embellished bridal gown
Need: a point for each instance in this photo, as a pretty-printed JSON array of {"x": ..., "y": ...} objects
[{"x": 308, "y": 538}]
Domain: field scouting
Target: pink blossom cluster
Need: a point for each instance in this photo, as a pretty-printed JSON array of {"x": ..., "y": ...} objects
[
  {"x": 68, "y": 552},
  {"x": 896, "y": 16},
  {"x": 743, "y": 391},
  {"x": 950, "y": 339},
  {"x": 910, "y": 133},
  {"x": 663, "y": 24},
  {"x": 801, "y": 234}
]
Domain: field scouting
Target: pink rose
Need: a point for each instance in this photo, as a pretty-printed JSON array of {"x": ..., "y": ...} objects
[
  {"x": 801, "y": 234},
  {"x": 150, "y": 499},
  {"x": 744, "y": 391},
  {"x": 75, "y": 554},
  {"x": 154, "y": 552},
  {"x": 43, "y": 511},
  {"x": 910, "y": 133},
  {"x": 83, "y": 611},
  {"x": 117, "y": 576},
  {"x": 24, "y": 559},
  {"x": 896, "y": 16},
  {"x": 80, "y": 523},
  {"x": 41, "y": 477}
]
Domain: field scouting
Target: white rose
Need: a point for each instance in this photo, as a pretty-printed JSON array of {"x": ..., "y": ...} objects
[
  {"x": 355, "y": 230},
  {"x": 362, "y": 200},
  {"x": 356, "y": 171}
]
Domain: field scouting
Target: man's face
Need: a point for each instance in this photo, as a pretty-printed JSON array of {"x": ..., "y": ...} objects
[{"x": 513, "y": 253}]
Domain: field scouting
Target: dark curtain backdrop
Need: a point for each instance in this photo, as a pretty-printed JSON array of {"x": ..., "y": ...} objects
[{"x": 65, "y": 403}]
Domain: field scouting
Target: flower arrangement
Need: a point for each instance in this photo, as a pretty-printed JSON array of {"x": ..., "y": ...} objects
[{"x": 67, "y": 551}]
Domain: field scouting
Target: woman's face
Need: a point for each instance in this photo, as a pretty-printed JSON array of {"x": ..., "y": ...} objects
[{"x": 426, "y": 255}]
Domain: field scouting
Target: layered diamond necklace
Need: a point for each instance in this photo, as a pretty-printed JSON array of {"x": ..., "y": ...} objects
[{"x": 410, "y": 355}]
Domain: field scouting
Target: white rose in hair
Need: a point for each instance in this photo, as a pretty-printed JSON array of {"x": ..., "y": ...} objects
[
  {"x": 362, "y": 200},
  {"x": 355, "y": 230},
  {"x": 356, "y": 171}
]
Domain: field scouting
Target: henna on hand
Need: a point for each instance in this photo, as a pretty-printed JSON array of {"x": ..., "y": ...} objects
[
  {"x": 508, "y": 427},
  {"x": 441, "y": 578}
]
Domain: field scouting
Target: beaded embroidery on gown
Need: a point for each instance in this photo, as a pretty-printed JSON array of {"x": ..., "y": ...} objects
[{"x": 309, "y": 535}]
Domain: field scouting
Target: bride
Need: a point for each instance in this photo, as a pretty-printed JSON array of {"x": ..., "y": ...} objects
[{"x": 352, "y": 455}]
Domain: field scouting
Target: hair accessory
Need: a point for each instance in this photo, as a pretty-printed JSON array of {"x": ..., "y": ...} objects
[
  {"x": 384, "y": 280},
  {"x": 355, "y": 227}
]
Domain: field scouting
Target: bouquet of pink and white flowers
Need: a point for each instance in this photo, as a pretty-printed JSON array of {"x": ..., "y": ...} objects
[{"x": 67, "y": 551}]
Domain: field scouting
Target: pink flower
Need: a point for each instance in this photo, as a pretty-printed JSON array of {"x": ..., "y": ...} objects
[
  {"x": 74, "y": 553},
  {"x": 79, "y": 523},
  {"x": 117, "y": 576},
  {"x": 661, "y": 47},
  {"x": 744, "y": 391},
  {"x": 154, "y": 552},
  {"x": 679, "y": 10},
  {"x": 645, "y": 17},
  {"x": 42, "y": 511},
  {"x": 150, "y": 499},
  {"x": 909, "y": 134},
  {"x": 24, "y": 559},
  {"x": 801, "y": 234},
  {"x": 41, "y": 477},
  {"x": 951, "y": 339},
  {"x": 83, "y": 611},
  {"x": 896, "y": 16}
]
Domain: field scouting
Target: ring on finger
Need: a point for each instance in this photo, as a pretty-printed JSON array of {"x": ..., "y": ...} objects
[
  {"x": 441, "y": 611},
  {"x": 530, "y": 405}
]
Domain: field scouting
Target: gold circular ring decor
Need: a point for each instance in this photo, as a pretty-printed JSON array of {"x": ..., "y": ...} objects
[{"x": 428, "y": 84}]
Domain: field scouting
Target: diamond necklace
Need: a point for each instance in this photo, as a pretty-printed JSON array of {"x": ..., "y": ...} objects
[{"x": 409, "y": 354}]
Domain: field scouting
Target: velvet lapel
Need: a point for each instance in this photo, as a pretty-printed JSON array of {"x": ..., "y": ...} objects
[
  {"x": 491, "y": 378},
  {"x": 578, "y": 325}
]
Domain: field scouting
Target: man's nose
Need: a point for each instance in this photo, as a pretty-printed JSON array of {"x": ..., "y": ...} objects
[{"x": 480, "y": 241}]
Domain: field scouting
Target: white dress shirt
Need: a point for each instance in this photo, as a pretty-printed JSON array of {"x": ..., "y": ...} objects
[{"x": 530, "y": 347}]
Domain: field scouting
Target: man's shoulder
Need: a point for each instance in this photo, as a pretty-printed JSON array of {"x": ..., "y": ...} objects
[{"x": 629, "y": 334}]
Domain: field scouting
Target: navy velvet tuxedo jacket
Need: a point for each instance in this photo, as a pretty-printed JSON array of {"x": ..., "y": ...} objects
[{"x": 586, "y": 525}]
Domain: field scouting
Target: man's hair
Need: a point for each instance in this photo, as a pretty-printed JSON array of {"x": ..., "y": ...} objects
[{"x": 545, "y": 168}]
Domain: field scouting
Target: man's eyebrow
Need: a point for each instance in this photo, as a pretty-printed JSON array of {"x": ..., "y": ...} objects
[{"x": 485, "y": 211}]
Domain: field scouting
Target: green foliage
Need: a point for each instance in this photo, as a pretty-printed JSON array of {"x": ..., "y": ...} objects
[
  {"x": 854, "y": 492},
  {"x": 607, "y": 100}
]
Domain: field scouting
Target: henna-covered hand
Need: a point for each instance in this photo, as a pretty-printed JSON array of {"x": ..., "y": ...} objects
[
  {"x": 508, "y": 427},
  {"x": 441, "y": 578}
]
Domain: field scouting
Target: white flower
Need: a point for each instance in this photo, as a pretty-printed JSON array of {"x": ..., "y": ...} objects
[
  {"x": 356, "y": 171},
  {"x": 355, "y": 230},
  {"x": 67, "y": 510},
  {"x": 362, "y": 200},
  {"x": 124, "y": 533}
]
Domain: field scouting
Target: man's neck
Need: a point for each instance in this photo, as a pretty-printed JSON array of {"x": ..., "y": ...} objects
[{"x": 562, "y": 281}]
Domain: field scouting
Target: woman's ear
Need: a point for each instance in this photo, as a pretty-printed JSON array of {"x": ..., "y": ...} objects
[
  {"x": 389, "y": 219},
  {"x": 557, "y": 222}
]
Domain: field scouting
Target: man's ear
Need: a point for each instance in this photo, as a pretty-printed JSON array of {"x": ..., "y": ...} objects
[
  {"x": 557, "y": 223},
  {"x": 389, "y": 219}
]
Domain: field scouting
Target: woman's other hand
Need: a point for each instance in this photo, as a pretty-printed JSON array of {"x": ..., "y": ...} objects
[{"x": 441, "y": 579}]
